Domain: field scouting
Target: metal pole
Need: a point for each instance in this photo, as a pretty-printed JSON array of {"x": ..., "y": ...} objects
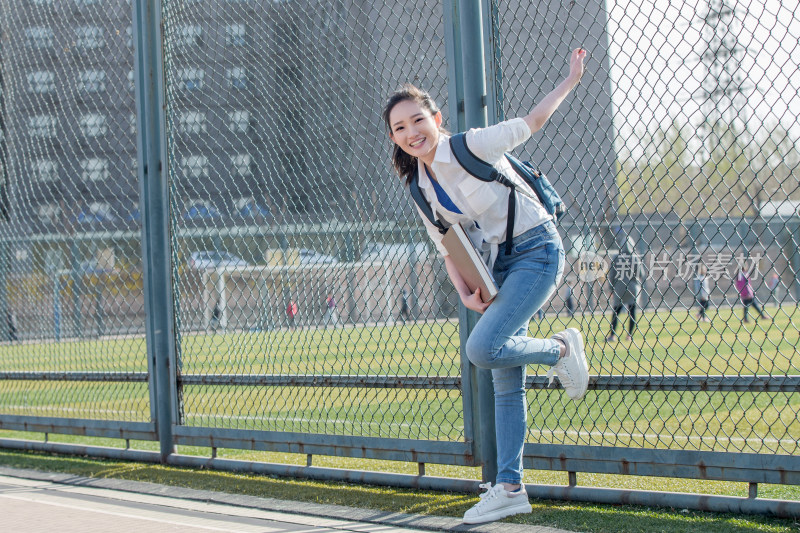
[
  {"x": 473, "y": 80},
  {"x": 794, "y": 248},
  {"x": 5, "y": 258},
  {"x": 154, "y": 188}
]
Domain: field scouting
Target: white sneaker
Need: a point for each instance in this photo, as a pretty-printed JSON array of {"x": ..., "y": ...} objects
[
  {"x": 498, "y": 503},
  {"x": 572, "y": 369}
]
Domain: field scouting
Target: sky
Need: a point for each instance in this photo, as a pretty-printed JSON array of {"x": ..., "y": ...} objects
[{"x": 656, "y": 82}]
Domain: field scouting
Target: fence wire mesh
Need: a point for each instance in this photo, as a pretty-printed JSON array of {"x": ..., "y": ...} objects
[
  {"x": 71, "y": 288},
  {"x": 682, "y": 137},
  {"x": 307, "y": 297},
  {"x": 296, "y": 255}
]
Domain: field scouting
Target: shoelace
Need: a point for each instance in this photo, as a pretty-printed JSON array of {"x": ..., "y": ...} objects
[{"x": 488, "y": 495}]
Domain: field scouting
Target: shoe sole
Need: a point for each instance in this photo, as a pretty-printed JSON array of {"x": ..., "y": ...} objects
[
  {"x": 576, "y": 339},
  {"x": 500, "y": 513}
]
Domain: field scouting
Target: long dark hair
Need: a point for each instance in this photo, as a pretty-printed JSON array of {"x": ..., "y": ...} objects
[{"x": 403, "y": 163}]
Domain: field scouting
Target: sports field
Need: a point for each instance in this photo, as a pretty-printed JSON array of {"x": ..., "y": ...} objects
[{"x": 666, "y": 344}]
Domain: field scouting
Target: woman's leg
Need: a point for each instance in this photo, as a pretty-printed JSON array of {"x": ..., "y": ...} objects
[
  {"x": 511, "y": 413},
  {"x": 616, "y": 312},
  {"x": 525, "y": 286},
  {"x": 631, "y": 318},
  {"x": 746, "y": 313}
]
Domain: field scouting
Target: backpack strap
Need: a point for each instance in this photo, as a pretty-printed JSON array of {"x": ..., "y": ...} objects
[
  {"x": 422, "y": 203},
  {"x": 482, "y": 170}
]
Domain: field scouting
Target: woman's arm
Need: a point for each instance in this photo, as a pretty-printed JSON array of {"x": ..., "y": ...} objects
[
  {"x": 471, "y": 300},
  {"x": 548, "y": 105}
]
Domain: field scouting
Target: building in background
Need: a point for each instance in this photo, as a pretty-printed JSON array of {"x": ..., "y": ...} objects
[{"x": 273, "y": 110}]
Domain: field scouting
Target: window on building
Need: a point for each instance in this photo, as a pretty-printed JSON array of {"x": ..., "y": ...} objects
[
  {"x": 44, "y": 170},
  {"x": 48, "y": 213},
  {"x": 191, "y": 79},
  {"x": 286, "y": 35},
  {"x": 41, "y": 81},
  {"x": 93, "y": 125},
  {"x": 247, "y": 207},
  {"x": 293, "y": 162},
  {"x": 192, "y": 122},
  {"x": 89, "y": 37},
  {"x": 239, "y": 121},
  {"x": 236, "y": 35},
  {"x": 92, "y": 81},
  {"x": 96, "y": 212},
  {"x": 42, "y": 126},
  {"x": 288, "y": 77},
  {"x": 40, "y": 37},
  {"x": 197, "y": 209},
  {"x": 292, "y": 120},
  {"x": 195, "y": 166},
  {"x": 190, "y": 35},
  {"x": 242, "y": 165},
  {"x": 94, "y": 169},
  {"x": 237, "y": 77}
]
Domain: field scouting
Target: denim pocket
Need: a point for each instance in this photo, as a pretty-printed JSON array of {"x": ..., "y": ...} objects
[{"x": 532, "y": 243}]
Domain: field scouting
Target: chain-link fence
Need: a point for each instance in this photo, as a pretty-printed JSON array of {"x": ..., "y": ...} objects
[{"x": 308, "y": 311}]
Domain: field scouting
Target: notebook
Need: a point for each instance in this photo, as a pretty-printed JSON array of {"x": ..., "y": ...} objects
[{"x": 468, "y": 262}]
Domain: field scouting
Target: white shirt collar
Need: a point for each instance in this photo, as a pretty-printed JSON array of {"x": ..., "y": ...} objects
[{"x": 442, "y": 155}]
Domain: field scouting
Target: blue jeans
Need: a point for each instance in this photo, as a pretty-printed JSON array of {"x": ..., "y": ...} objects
[{"x": 527, "y": 278}]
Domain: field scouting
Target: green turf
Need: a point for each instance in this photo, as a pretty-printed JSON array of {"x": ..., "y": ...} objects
[
  {"x": 666, "y": 343},
  {"x": 565, "y": 515}
]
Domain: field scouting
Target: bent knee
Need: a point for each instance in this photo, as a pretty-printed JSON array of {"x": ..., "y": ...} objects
[{"x": 481, "y": 351}]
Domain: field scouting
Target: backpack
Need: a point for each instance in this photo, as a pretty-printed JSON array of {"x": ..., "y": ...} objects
[{"x": 482, "y": 170}]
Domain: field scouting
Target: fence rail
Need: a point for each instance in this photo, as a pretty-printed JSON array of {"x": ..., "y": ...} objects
[{"x": 202, "y": 241}]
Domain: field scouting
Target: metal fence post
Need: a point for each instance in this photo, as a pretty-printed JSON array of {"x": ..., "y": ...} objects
[
  {"x": 470, "y": 73},
  {"x": 154, "y": 206},
  {"x": 5, "y": 311}
]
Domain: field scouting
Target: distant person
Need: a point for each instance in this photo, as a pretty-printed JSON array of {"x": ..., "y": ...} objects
[
  {"x": 748, "y": 296},
  {"x": 291, "y": 312},
  {"x": 11, "y": 325},
  {"x": 216, "y": 314},
  {"x": 702, "y": 292},
  {"x": 331, "y": 314},
  {"x": 625, "y": 276},
  {"x": 772, "y": 284},
  {"x": 569, "y": 301},
  {"x": 405, "y": 310}
]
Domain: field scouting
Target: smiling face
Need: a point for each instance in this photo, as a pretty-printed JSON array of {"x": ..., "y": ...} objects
[{"x": 414, "y": 129}]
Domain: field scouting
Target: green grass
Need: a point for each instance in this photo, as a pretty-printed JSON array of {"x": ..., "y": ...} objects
[
  {"x": 666, "y": 343},
  {"x": 565, "y": 515}
]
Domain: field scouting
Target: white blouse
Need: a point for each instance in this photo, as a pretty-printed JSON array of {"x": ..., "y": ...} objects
[{"x": 480, "y": 202}]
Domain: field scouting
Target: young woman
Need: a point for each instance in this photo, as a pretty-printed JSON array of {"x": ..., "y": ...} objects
[{"x": 527, "y": 277}]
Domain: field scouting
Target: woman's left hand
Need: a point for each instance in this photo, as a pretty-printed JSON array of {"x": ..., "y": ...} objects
[
  {"x": 576, "y": 64},
  {"x": 475, "y": 302}
]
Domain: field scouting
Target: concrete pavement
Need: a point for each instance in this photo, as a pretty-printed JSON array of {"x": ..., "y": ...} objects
[{"x": 41, "y": 502}]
